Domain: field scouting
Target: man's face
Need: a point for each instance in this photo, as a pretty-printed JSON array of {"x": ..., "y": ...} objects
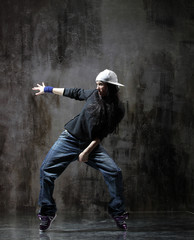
[{"x": 102, "y": 88}]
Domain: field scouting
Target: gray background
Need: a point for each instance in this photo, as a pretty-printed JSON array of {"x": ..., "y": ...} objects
[{"x": 150, "y": 45}]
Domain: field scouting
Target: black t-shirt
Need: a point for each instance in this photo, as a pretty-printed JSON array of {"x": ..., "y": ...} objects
[{"x": 86, "y": 126}]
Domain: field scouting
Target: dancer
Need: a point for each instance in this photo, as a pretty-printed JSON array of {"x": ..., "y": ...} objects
[{"x": 80, "y": 140}]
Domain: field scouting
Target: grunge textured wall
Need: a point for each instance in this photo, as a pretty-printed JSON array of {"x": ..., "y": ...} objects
[{"x": 150, "y": 45}]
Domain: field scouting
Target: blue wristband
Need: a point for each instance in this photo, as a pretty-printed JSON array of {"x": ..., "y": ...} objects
[{"x": 48, "y": 89}]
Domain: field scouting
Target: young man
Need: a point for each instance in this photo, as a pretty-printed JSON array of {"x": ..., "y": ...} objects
[{"x": 80, "y": 140}]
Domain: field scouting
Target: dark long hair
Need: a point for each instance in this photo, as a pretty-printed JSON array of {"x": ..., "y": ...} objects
[
  {"x": 108, "y": 111},
  {"x": 114, "y": 107}
]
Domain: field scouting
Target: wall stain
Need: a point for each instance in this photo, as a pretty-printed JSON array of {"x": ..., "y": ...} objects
[
  {"x": 160, "y": 160},
  {"x": 160, "y": 12},
  {"x": 79, "y": 30}
]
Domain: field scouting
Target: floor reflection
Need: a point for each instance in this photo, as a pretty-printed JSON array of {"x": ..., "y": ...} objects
[{"x": 140, "y": 226}]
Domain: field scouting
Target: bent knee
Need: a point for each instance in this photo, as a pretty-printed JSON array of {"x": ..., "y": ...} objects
[
  {"x": 114, "y": 173},
  {"x": 44, "y": 172}
]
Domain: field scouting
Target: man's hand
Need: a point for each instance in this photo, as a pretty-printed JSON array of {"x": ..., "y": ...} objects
[
  {"x": 83, "y": 157},
  {"x": 39, "y": 88}
]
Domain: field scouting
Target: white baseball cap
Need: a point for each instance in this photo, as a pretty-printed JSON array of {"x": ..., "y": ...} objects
[{"x": 108, "y": 76}]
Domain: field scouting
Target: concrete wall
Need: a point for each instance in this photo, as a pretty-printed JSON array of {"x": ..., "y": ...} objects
[{"x": 150, "y": 45}]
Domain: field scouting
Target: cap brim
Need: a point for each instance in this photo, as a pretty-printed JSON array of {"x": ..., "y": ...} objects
[{"x": 118, "y": 84}]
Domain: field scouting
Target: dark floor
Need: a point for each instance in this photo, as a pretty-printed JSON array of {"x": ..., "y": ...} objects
[{"x": 168, "y": 226}]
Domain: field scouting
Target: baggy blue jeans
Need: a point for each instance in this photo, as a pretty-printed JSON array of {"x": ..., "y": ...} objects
[{"x": 67, "y": 149}]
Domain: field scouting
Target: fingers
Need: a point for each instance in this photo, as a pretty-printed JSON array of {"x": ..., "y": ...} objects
[
  {"x": 43, "y": 85},
  {"x": 35, "y": 88},
  {"x": 38, "y": 93},
  {"x": 83, "y": 157},
  {"x": 39, "y": 88}
]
